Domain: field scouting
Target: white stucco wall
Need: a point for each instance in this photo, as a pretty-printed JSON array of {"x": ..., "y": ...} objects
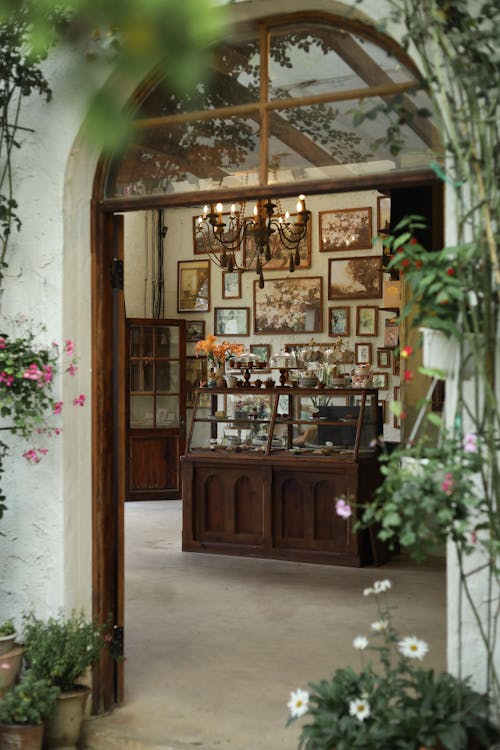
[{"x": 45, "y": 553}]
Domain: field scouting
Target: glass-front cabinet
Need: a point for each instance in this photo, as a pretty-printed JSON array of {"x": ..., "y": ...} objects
[{"x": 279, "y": 421}]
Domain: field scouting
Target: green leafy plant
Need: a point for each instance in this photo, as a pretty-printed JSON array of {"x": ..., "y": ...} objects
[
  {"x": 396, "y": 705},
  {"x": 32, "y": 701},
  {"x": 429, "y": 494},
  {"x": 62, "y": 648},
  {"x": 7, "y": 628}
]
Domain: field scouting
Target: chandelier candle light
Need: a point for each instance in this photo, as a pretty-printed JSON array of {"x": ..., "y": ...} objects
[{"x": 223, "y": 240}]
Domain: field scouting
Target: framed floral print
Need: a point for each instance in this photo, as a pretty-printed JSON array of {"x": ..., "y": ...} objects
[
  {"x": 384, "y": 357},
  {"x": 290, "y": 305},
  {"x": 366, "y": 320},
  {"x": 345, "y": 229},
  {"x": 280, "y": 256},
  {"x": 380, "y": 380},
  {"x": 363, "y": 353},
  {"x": 339, "y": 321}
]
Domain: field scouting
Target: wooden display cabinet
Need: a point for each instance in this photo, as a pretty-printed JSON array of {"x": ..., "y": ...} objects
[{"x": 264, "y": 467}]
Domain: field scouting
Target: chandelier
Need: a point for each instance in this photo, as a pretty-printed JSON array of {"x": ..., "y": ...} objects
[{"x": 260, "y": 237}]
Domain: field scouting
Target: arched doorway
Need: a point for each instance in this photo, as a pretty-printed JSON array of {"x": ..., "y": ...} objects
[{"x": 277, "y": 110}]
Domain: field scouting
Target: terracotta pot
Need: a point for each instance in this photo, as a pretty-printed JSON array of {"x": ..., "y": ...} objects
[
  {"x": 64, "y": 727},
  {"x": 10, "y": 665},
  {"x": 21, "y": 736},
  {"x": 7, "y": 643}
]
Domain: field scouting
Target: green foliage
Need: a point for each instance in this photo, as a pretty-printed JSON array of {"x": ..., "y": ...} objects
[
  {"x": 62, "y": 648},
  {"x": 403, "y": 706},
  {"x": 30, "y": 702},
  {"x": 7, "y": 628},
  {"x": 429, "y": 495}
]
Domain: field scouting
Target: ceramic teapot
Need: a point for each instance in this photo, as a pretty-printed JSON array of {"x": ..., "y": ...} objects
[{"x": 361, "y": 376}]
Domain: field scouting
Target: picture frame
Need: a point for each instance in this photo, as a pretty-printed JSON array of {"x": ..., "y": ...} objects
[
  {"x": 199, "y": 247},
  {"x": 380, "y": 380},
  {"x": 263, "y": 351},
  {"x": 384, "y": 357},
  {"x": 366, "y": 320},
  {"x": 195, "y": 330},
  {"x": 193, "y": 286},
  {"x": 196, "y": 372},
  {"x": 345, "y": 229},
  {"x": 339, "y": 321},
  {"x": 289, "y": 305},
  {"x": 363, "y": 352},
  {"x": 383, "y": 214},
  {"x": 280, "y": 256},
  {"x": 396, "y": 365},
  {"x": 396, "y": 421},
  {"x": 391, "y": 334},
  {"x": 231, "y": 285},
  {"x": 355, "y": 278},
  {"x": 231, "y": 321}
]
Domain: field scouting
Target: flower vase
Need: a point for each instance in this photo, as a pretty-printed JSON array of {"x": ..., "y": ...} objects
[{"x": 218, "y": 372}]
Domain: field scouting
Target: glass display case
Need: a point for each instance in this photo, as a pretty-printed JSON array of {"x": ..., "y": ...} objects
[{"x": 286, "y": 421}]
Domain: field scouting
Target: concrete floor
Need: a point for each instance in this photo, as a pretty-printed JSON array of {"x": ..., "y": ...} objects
[{"x": 215, "y": 644}]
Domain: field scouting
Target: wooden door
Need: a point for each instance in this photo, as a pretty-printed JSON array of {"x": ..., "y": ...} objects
[{"x": 156, "y": 408}]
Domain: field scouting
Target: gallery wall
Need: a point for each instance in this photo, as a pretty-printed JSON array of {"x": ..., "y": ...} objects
[{"x": 284, "y": 325}]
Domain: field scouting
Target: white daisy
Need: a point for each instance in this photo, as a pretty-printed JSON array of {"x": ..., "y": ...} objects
[
  {"x": 359, "y": 708},
  {"x": 379, "y": 626},
  {"x": 298, "y": 704},
  {"x": 360, "y": 642},
  {"x": 367, "y": 592},
  {"x": 381, "y": 586},
  {"x": 413, "y": 647}
]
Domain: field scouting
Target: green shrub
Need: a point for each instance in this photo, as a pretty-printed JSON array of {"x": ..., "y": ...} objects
[
  {"x": 30, "y": 702},
  {"x": 7, "y": 628}
]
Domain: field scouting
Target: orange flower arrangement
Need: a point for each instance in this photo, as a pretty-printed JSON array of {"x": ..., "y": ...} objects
[{"x": 217, "y": 352}]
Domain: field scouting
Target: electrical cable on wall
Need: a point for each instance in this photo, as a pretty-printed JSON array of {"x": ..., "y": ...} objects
[{"x": 160, "y": 232}]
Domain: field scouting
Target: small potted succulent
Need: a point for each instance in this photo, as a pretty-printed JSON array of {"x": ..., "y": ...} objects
[
  {"x": 60, "y": 650},
  {"x": 23, "y": 711}
]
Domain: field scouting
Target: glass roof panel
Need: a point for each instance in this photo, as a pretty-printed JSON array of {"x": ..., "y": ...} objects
[{"x": 320, "y": 59}]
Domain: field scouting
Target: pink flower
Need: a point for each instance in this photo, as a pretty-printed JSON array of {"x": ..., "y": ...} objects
[
  {"x": 58, "y": 407},
  {"x": 72, "y": 370},
  {"x": 470, "y": 442},
  {"x": 43, "y": 451},
  {"x": 473, "y": 537},
  {"x": 69, "y": 347},
  {"x": 80, "y": 400},
  {"x": 58, "y": 430},
  {"x": 408, "y": 375},
  {"x": 406, "y": 351},
  {"x": 31, "y": 456},
  {"x": 47, "y": 373},
  {"x": 7, "y": 379},
  {"x": 342, "y": 508},
  {"x": 32, "y": 372},
  {"x": 2, "y": 342},
  {"x": 447, "y": 485}
]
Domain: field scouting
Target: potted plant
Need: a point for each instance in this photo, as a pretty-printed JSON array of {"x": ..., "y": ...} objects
[
  {"x": 7, "y": 636},
  {"x": 397, "y": 705},
  {"x": 60, "y": 650},
  {"x": 23, "y": 711}
]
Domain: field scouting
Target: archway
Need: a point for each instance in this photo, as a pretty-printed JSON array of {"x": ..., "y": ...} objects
[{"x": 286, "y": 115}]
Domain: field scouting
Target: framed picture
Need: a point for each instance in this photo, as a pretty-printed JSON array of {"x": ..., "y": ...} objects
[
  {"x": 199, "y": 246},
  {"x": 355, "y": 278},
  {"x": 363, "y": 353},
  {"x": 391, "y": 334},
  {"x": 383, "y": 214},
  {"x": 193, "y": 286},
  {"x": 381, "y": 380},
  {"x": 396, "y": 365},
  {"x": 231, "y": 321},
  {"x": 196, "y": 372},
  {"x": 280, "y": 256},
  {"x": 339, "y": 321},
  {"x": 195, "y": 330},
  {"x": 366, "y": 320},
  {"x": 383, "y": 357},
  {"x": 396, "y": 422},
  {"x": 263, "y": 351},
  {"x": 231, "y": 285},
  {"x": 291, "y": 305},
  {"x": 345, "y": 229}
]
